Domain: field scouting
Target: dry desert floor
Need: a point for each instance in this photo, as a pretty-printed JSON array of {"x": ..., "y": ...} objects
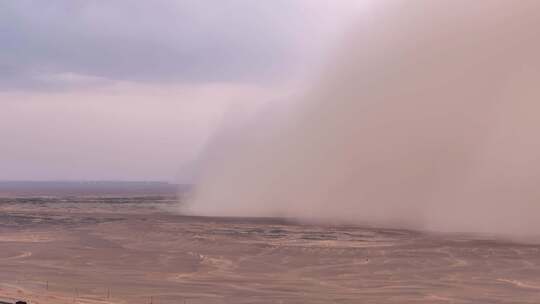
[{"x": 136, "y": 250}]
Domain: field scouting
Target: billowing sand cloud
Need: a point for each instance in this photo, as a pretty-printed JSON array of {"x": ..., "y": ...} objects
[{"x": 427, "y": 118}]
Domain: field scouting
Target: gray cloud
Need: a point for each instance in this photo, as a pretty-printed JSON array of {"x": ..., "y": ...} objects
[
  {"x": 132, "y": 89},
  {"x": 150, "y": 41}
]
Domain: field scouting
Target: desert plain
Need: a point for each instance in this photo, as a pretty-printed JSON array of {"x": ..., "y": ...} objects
[{"x": 140, "y": 249}]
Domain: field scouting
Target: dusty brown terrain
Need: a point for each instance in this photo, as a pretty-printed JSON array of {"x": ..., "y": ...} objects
[{"x": 133, "y": 250}]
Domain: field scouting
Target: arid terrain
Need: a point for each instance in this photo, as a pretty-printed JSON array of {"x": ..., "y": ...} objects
[{"x": 110, "y": 249}]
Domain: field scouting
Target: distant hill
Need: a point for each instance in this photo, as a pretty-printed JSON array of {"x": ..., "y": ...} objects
[{"x": 69, "y": 188}]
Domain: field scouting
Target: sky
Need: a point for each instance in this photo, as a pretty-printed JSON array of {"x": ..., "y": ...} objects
[{"x": 134, "y": 90}]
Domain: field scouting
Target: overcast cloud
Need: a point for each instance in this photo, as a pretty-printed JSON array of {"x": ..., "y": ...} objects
[
  {"x": 50, "y": 44},
  {"x": 133, "y": 89}
]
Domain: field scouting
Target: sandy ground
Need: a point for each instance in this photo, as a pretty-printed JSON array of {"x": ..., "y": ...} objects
[{"x": 131, "y": 250}]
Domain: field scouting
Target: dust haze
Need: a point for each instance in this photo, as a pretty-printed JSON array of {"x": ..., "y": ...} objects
[{"x": 427, "y": 117}]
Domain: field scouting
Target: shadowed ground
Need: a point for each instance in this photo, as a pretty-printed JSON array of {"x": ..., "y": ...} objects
[{"x": 133, "y": 250}]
